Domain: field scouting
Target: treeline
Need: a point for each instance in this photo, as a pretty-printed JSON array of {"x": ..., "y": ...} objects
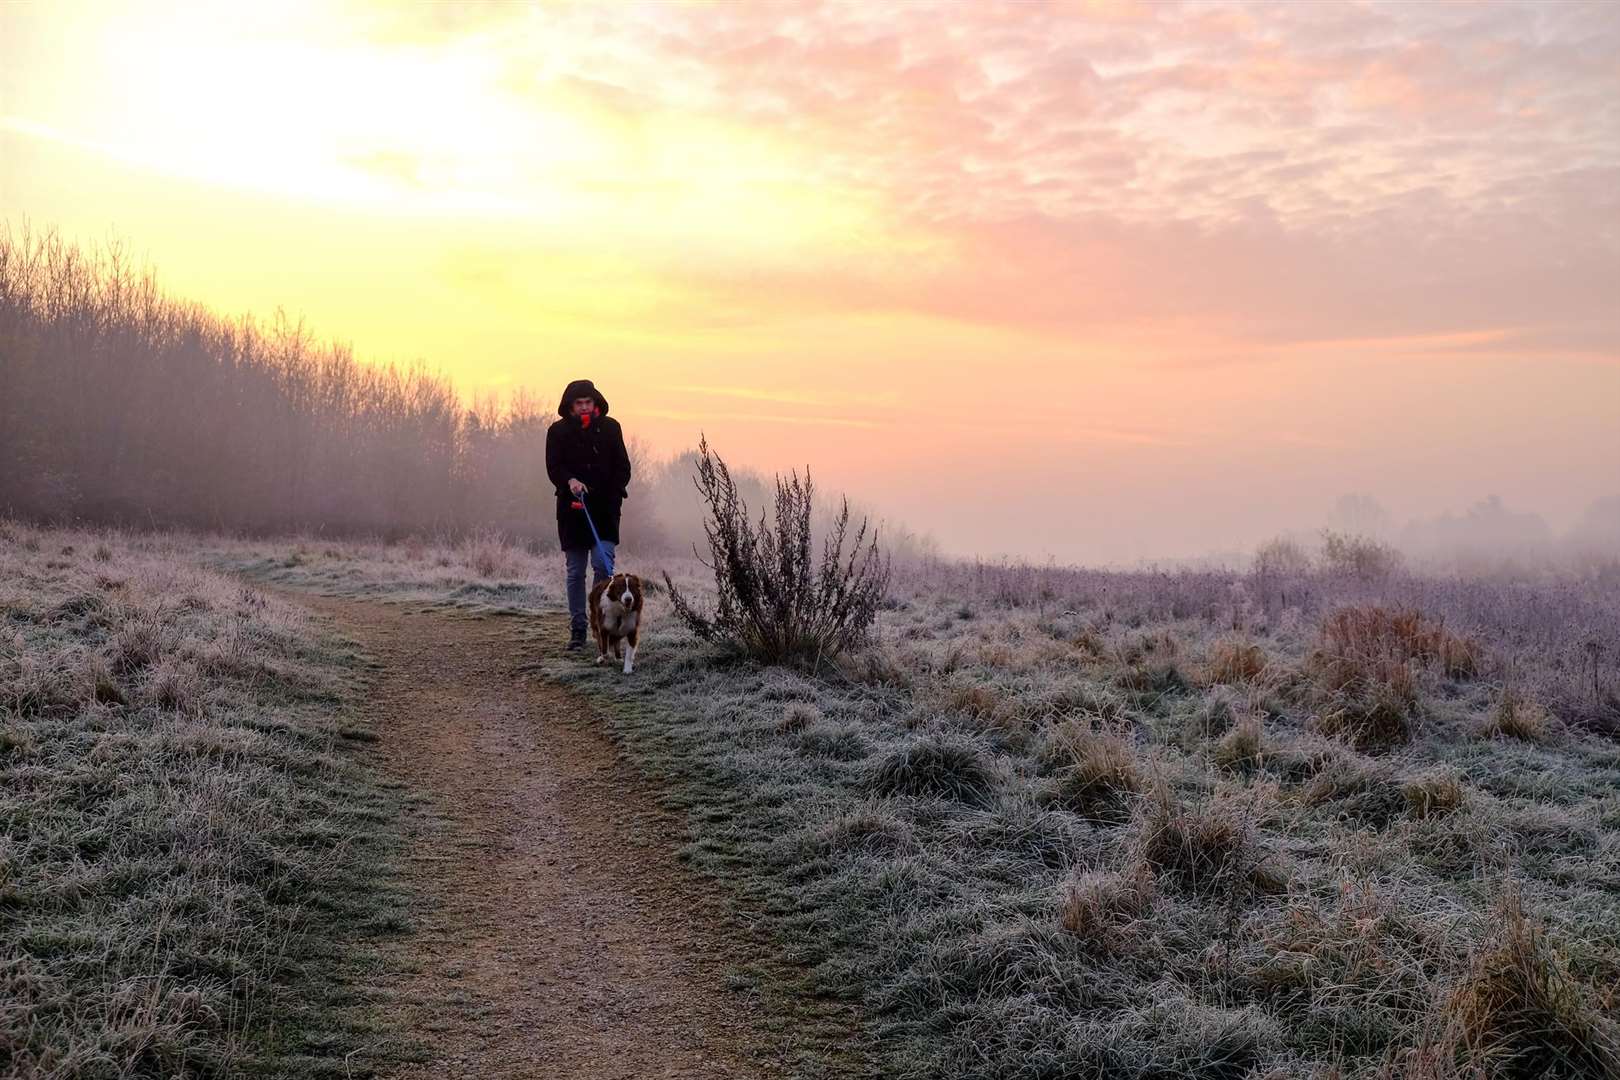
[{"x": 120, "y": 405}]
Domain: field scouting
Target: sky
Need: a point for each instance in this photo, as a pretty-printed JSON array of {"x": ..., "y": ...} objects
[{"x": 1091, "y": 281}]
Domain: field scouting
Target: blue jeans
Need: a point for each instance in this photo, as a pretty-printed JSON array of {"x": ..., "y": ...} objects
[{"x": 577, "y": 622}]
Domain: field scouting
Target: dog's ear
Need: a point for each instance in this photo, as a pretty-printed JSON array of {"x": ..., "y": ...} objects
[{"x": 635, "y": 587}]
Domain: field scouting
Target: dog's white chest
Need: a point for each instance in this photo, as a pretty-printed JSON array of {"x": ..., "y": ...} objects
[{"x": 617, "y": 620}]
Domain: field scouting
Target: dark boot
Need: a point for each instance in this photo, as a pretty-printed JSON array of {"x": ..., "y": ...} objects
[{"x": 576, "y": 640}]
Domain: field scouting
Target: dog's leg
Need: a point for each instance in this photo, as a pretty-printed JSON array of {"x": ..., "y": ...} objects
[
  {"x": 629, "y": 659},
  {"x": 601, "y": 644}
]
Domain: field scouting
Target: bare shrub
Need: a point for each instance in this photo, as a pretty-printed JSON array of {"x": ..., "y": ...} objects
[
  {"x": 1094, "y": 772},
  {"x": 1517, "y": 1014},
  {"x": 936, "y": 765},
  {"x": 1359, "y": 557},
  {"x": 775, "y": 600},
  {"x": 1517, "y": 716},
  {"x": 1281, "y": 558},
  {"x": 1102, "y": 908}
]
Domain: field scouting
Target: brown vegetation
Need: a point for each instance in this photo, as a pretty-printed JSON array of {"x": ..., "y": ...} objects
[
  {"x": 1516, "y": 716},
  {"x": 1518, "y": 1014},
  {"x": 1236, "y": 660},
  {"x": 1203, "y": 849},
  {"x": 1102, "y": 908},
  {"x": 1366, "y": 668},
  {"x": 1095, "y": 772},
  {"x": 1434, "y": 793}
]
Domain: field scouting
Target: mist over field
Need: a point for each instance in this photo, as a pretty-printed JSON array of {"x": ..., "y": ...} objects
[{"x": 126, "y": 406}]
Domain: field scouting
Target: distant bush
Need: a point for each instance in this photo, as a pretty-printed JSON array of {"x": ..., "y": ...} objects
[
  {"x": 775, "y": 600},
  {"x": 1281, "y": 558},
  {"x": 1359, "y": 556}
]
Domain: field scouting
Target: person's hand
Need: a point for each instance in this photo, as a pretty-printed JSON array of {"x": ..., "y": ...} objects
[{"x": 576, "y": 487}]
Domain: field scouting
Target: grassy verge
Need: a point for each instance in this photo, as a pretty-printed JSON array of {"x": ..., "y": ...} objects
[
  {"x": 194, "y": 867},
  {"x": 1112, "y": 829}
]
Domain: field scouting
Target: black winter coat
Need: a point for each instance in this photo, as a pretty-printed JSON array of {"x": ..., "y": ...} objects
[{"x": 596, "y": 457}]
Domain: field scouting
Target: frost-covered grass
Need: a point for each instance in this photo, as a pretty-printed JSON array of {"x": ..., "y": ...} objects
[
  {"x": 190, "y": 860},
  {"x": 1062, "y": 822}
]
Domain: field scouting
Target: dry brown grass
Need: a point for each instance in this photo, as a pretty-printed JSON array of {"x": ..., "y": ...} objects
[
  {"x": 1203, "y": 849},
  {"x": 1103, "y": 908},
  {"x": 1517, "y": 1014},
  {"x": 1434, "y": 793},
  {"x": 1354, "y": 971},
  {"x": 1366, "y": 669},
  {"x": 1090, "y": 642},
  {"x": 1236, "y": 660},
  {"x": 1516, "y": 716},
  {"x": 1095, "y": 771},
  {"x": 1356, "y": 642},
  {"x": 1243, "y": 746},
  {"x": 1359, "y": 790},
  {"x": 978, "y": 701},
  {"x": 1376, "y": 719}
]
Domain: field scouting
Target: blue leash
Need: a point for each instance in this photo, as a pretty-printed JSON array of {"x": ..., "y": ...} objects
[{"x": 601, "y": 550}]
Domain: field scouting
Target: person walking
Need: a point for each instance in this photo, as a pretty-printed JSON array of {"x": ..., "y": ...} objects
[{"x": 587, "y": 462}]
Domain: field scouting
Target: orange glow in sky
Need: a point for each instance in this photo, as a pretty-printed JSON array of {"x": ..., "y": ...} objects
[{"x": 1156, "y": 279}]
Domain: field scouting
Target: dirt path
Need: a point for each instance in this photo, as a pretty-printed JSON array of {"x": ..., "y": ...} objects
[{"x": 560, "y": 937}]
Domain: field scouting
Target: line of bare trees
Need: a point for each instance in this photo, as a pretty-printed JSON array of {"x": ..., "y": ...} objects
[{"x": 120, "y": 405}]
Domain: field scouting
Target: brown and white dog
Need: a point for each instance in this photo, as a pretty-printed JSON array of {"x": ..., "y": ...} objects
[{"x": 616, "y": 618}]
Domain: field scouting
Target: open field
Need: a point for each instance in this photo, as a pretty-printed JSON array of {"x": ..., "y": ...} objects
[
  {"x": 1063, "y": 823},
  {"x": 192, "y": 864},
  {"x": 1073, "y": 823}
]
